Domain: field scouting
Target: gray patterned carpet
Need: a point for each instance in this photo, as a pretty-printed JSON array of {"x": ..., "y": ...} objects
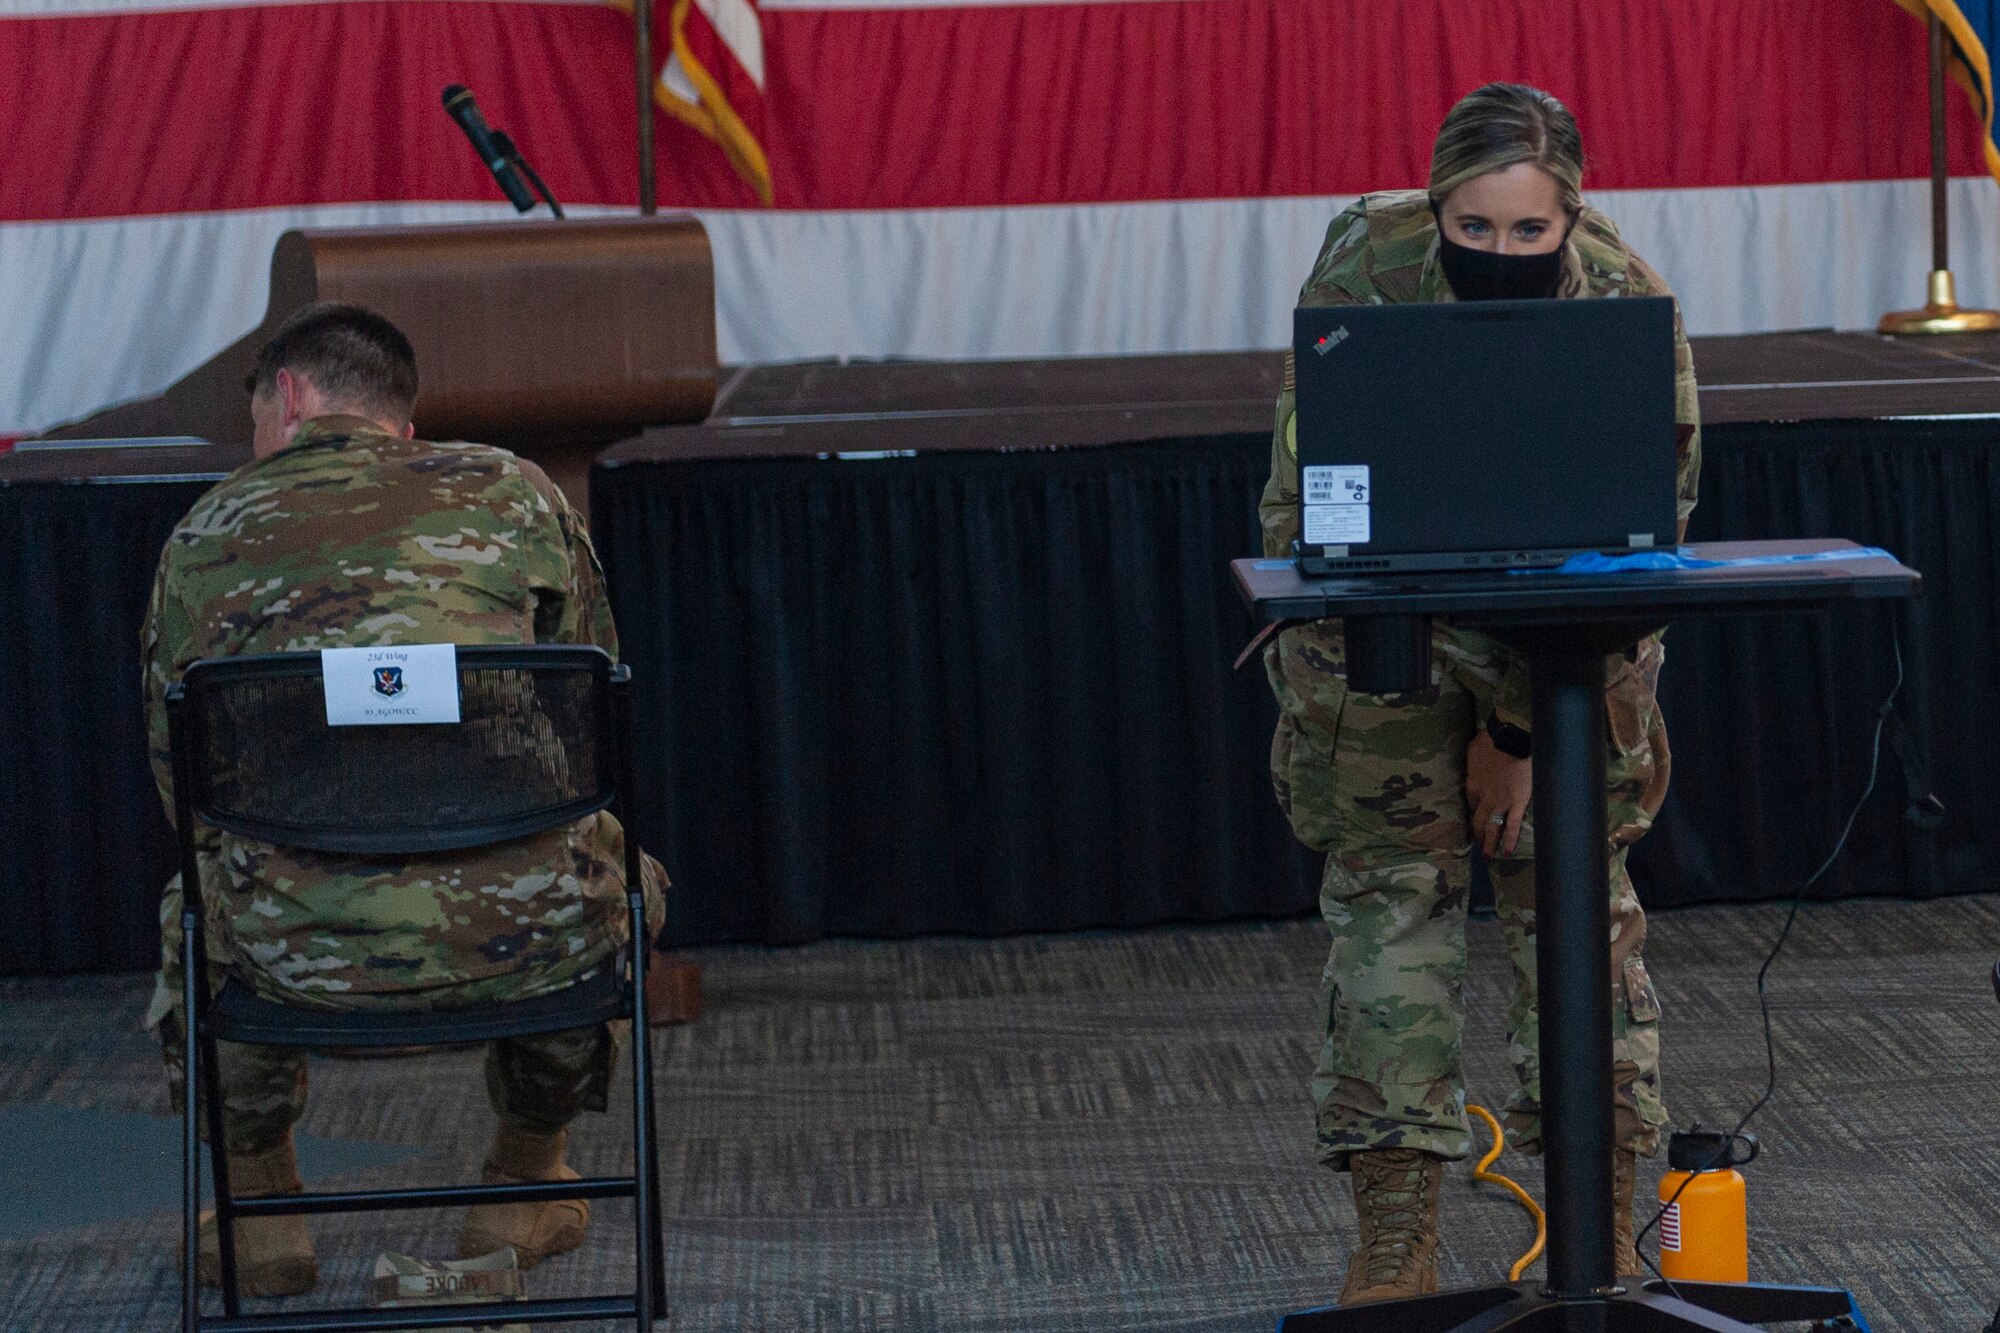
[{"x": 1093, "y": 1132}]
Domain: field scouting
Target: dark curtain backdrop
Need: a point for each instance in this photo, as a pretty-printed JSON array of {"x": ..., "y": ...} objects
[
  {"x": 86, "y": 847},
  {"x": 1772, "y": 718},
  {"x": 991, "y": 692},
  {"x": 965, "y": 692}
]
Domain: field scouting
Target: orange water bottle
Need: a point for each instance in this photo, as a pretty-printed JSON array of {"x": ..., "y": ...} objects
[{"x": 1704, "y": 1233}]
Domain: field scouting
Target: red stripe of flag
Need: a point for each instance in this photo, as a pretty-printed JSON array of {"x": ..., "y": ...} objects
[
  {"x": 293, "y": 104},
  {"x": 963, "y": 105}
]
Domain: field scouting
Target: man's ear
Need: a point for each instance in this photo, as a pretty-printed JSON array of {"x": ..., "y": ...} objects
[
  {"x": 290, "y": 393},
  {"x": 409, "y": 430}
]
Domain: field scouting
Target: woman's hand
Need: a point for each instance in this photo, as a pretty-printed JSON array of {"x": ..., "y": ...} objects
[{"x": 1497, "y": 786}]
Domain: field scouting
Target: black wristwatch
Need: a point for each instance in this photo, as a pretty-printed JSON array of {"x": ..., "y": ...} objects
[{"x": 1509, "y": 739}]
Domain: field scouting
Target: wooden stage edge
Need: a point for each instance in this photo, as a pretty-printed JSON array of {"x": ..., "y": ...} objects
[{"x": 861, "y": 407}]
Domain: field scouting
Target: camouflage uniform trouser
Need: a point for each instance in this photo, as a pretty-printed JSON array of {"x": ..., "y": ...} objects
[
  {"x": 1378, "y": 783},
  {"x": 540, "y": 1082}
]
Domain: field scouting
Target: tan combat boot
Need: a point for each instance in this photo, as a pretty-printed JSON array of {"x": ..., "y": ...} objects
[
  {"x": 1396, "y": 1200},
  {"x": 1624, "y": 1175},
  {"x": 535, "y": 1230},
  {"x": 274, "y": 1255}
]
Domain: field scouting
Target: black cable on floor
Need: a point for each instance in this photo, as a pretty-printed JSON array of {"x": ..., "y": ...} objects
[{"x": 1763, "y": 999}]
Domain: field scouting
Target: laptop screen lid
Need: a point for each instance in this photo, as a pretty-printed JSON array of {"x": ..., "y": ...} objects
[{"x": 1474, "y": 435}]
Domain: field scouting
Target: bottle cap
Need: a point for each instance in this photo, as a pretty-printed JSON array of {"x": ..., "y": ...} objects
[{"x": 1709, "y": 1150}]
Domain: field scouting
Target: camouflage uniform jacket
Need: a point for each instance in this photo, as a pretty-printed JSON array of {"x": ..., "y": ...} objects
[
  {"x": 353, "y": 537},
  {"x": 1383, "y": 249}
]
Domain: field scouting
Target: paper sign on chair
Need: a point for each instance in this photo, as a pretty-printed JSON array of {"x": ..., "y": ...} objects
[{"x": 391, "y": 685}]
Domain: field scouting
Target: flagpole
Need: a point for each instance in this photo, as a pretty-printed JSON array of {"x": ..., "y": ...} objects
[
  {"x": 1941, "y": 313},
  {"x": 1940, "y": 213},
  {"x": 642, "y": 56}
]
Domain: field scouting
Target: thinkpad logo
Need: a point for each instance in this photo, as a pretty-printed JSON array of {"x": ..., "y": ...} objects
[{"x": 1329, "y": 341}]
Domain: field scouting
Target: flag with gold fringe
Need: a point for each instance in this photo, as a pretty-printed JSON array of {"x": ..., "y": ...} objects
[
  {"x": 1968, "y": 28},
  {"x": 712, "y": 78}
]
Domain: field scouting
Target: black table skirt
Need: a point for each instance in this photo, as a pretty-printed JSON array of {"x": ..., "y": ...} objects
[
  {"x": 985, "y": 692},
  {"x": 86, "y": 847}
]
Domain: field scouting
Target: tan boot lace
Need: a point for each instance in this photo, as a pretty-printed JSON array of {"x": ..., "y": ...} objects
[{"x": 1397, "y": 1191}]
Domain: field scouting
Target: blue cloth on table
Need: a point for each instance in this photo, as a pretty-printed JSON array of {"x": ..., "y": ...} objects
[{"x": 1596, "y": 562}]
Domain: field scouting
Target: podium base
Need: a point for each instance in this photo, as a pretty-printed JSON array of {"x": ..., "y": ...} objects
[
  {"x": 1523, "y": 1307},
  {"x": 673, "y": 989}
]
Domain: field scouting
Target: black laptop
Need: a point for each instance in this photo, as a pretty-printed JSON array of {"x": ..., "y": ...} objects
[{"x": 1481, "y": 435}]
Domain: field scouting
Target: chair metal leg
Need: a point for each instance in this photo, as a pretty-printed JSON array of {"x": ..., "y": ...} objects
[
  {"x": 218, "y": 1164},
  {"x": 643, "y": 1217},
  {"x": 190, "y": 1139},
  {"x": 653, "y": 1207}
]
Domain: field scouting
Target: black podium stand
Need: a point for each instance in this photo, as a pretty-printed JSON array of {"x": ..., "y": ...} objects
[{"x": 1566, "y": 624}]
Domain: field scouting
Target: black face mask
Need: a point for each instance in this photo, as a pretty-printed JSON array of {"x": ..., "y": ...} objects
[{"x": 1485, "y": 275}]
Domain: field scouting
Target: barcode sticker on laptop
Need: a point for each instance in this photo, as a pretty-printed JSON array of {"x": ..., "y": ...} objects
[
  {"x": 1336, "y": 525},
  {"x": 1336, "y": 485}
]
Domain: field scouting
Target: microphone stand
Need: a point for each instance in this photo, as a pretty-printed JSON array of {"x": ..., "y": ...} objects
[{"x": 513, "y": 154}]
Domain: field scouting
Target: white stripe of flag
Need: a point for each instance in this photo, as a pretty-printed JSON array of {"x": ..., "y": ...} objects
[{"x": 735, "y": 22}]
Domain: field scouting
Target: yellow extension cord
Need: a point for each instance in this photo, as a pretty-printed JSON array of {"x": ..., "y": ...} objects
[{"x": 1521, "y": 1196}]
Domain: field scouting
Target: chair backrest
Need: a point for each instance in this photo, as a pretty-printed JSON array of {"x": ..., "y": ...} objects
[{"x": 534, "y": 748}]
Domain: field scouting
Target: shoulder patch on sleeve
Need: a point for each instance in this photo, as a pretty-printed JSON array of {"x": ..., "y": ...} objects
[{"x": 1291, "y": 372}]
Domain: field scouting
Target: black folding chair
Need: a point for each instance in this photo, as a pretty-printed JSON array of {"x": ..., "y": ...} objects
[{"x": 542, "y": 740}]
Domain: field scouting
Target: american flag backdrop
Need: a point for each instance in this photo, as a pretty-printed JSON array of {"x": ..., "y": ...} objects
[{"x": 935, "y": 177}]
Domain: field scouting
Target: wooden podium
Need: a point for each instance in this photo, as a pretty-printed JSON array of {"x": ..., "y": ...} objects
[{"x": 551, "y": 338}]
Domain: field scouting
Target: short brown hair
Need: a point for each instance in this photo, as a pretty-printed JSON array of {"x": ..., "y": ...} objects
[
  {"x": 1496, "y": 126},
  {"x": 355, "y": 358}
]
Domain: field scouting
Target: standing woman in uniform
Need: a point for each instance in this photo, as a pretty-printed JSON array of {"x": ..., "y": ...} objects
[{"x": 1397, "y": 789}]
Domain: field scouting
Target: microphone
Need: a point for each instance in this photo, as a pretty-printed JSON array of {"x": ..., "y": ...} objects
[{"x": 459, "y": 104}]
